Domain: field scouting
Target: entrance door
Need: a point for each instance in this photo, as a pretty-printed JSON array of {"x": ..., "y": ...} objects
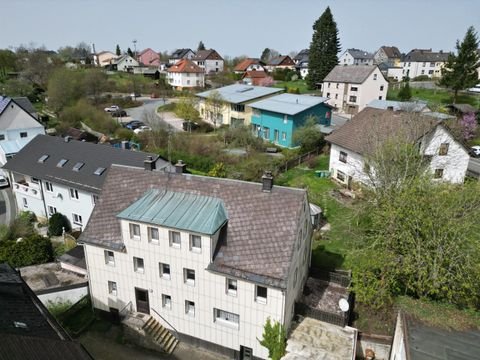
[
  {"x": 141, "y": 296},
  {"x": 246, "y": 353}
]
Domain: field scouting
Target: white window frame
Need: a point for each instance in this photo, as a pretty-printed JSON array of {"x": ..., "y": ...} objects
[
  {"x": 25, "y": 202},
  {"x": 112, "y": 288},
  {"x": 131, "y": 229},
  {"x": 197, "y": 249},
  {"x": 77, "y": 219},
  {"x": 190, "y": 308},
  {"x": 150, "y": 237},
  {"x": 161, "y": 269},
  {"x": 167, "y": 301},
  {"x": 171, "y": 236},
  {"x": 186, "y": 279},
  {"x": 226, "y": 318},
  {"x": 48, "y": 186},
  {"x": 136, "y": 263},
  {"x": 261, "y": 299},
  {"x": 73, "y": 194},
  {"x": 109, "y": 257},
  {"x": 228, "y": 290},
  {"x": 51, "y": 210}
]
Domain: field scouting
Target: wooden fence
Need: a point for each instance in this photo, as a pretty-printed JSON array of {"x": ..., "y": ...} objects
[{"x": 297, "y": 161}]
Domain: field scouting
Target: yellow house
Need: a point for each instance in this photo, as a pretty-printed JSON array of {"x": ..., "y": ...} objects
[{"x": 235, "y": 110}]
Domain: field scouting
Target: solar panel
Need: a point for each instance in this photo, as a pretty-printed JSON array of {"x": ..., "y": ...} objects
[
  {"x": 78, "y": 166},
  {"x": 62, "y": 162},
  {"x": 99, "y": 171},
  {"x": 43, "y": 158}
]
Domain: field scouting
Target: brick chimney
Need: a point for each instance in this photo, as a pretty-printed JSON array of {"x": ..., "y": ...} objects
[
  {"x": 149, "y": 163},
  {"x": 180, "y": 167},
  {"x": 267, "y": 181}
]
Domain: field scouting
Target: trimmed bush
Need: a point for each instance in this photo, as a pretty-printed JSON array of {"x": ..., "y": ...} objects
[
  {"x": 56, "y": 224},
  {"x": 30, "y": 251}
]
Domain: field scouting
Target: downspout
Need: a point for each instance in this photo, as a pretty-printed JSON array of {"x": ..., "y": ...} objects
[{"x": 43, "y": 199}]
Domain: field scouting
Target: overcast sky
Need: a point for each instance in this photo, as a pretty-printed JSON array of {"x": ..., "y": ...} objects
[{"x": 234, "y": 27}]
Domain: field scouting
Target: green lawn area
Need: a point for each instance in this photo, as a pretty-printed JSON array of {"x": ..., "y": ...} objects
[
  {"x": 437, "y": 97},
  {"x": 300, "y": 84}
]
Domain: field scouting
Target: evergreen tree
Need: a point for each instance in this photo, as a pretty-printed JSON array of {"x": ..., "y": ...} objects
[
  {"x": 460, "y": 71},
  {"x": 201, "y": 46},
  {"x": 118, "y": 52},
  {"x": 265, "y": 55},
  {"x": 130, "y": 52},
  {"x": 405, "y": 93},
  {"x": 324, "y": 49}
]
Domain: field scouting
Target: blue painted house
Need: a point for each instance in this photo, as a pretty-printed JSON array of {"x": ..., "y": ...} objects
[{"x": 275, "y": 119}]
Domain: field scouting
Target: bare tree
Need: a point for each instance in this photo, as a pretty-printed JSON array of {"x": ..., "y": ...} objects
[{"x": 214, "y": 107}]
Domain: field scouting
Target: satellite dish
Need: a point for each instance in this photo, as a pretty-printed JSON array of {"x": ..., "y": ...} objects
[{"x": 344, "y": 305}]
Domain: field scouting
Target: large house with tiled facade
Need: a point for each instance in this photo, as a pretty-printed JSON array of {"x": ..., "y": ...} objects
[{"x": 210, "y": 259}]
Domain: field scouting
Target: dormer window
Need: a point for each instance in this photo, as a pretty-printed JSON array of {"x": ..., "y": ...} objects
[
  {"x": 99, "y": 171},
  {"x": 78, "y": 166},
  {"x": 62, "y": 163},
  {"x": 42, "y": 158}
]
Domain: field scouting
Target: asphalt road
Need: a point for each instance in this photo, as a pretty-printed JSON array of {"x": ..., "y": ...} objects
[{"x": 7, "y": 206}]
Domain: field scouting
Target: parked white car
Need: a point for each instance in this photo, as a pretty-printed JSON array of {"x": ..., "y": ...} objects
[
  {"x": 475, "y": 89},
  {"x": 142, "y": 129},
  {"x": 112, "y": 108}
]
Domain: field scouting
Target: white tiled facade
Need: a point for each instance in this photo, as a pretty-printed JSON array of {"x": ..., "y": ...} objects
[
  {"x": 209, "y": 66},
  {"x": 209, "y": 291},
  {"x": 432, "y": 69},
  {"x": 353, "y": 98}
]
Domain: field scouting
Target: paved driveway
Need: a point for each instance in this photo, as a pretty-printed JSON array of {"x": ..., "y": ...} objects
[{"x": 8, "y": 208}]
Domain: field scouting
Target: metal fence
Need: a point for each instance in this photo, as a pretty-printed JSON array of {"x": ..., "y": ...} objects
[
  {"x": 340, "y": 277},
  {"x": 321, "y": 315}
]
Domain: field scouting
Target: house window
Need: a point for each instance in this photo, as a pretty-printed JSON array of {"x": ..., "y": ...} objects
[
  {"x": 174, "y": 237},
  {"x": 336, "y": 96},
  {"x": 285, "y": 119},
  {"x": 51, "y": 210},
  {"x": 343, "y": 157},
  {"x": 423, "y": 64},
  {"x": 48, "y": 186},
  {"x": 112, "y": 288},
  {"x": 374, "y": 76},
  {"x": 73, "y": 193},
  {"x": 195, "y": 243},
  {"x": 189, "y": 277},
  {"x": 341, "y": 176},
  {"x": 134, "y": 231},
  {"x": 35, "y": 180},
  {"x": 25, "y": 203},
  {"x": 438, "y": 174},
  {"x": 353, "y": 99},
  {"x": 164, "y": 271},
  {"x": 354, "y": 88},
  {"x": 2, "y": 137},
  {"x": 231, "y": 287},
  {"x": 380, "y": 97},
  {"x": 260, "y": 294},
  {"x": 295, "y": 277},
  {"x": 381, "y": 88},
  {"x": 238, "y": 107},
  {"x": 109, "y": 257},
  {"x": 266, "y": 133},
  {"x": 329, "y": 85},
  {"x": 226, "y": 318},
  {"x": 337, "y": 85},
  {"x": 328, "y": 94},
  {"x": 284, "y": 136},
  {"x": 166, "y": 301},
  {"x": 443, "y": 149},
  {"x": 94, "y": 199},
  {"x": 77, "y": 219},
  {"x": 430, "y": 72},
  {"x": 138, "y": 265},
  {"x": 275, "y": 135},
  {"x": 423, "y": 72},
  {"x": 153, "y": 235},
  {"x": 189, "y": 308},
  {"x": 23, "y": 134}
]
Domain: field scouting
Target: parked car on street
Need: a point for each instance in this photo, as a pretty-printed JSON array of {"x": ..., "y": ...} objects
[
  {"x": 142, "y": 129},
  {"x": 119, "y": 113},
  {"x": 135, "y": 95},
  {"x": 134, "y": 124},
  {"x": 190, "y": 126},
  {"x": 112, "y": 108}
]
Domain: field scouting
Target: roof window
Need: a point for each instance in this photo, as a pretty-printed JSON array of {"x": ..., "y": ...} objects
[
  {"x": 99, "y": 171},
  {"x": 62, "y": 163},
  {"x": 78, "y": 166},
  {"x": 43, "y": 158}
]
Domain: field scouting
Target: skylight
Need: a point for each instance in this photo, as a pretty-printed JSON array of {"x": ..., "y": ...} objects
[
  {"x": 99, "y": 171},
  {"x": 43, "y": 158},
  {"x": 62, "y": 162},
  {"x": 78, "y": 166}
]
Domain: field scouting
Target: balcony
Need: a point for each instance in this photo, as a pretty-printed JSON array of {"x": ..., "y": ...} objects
[{"x": 29, "y": 189}]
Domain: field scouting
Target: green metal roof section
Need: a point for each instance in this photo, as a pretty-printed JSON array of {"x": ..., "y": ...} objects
[{"x": 190, "y": 212}]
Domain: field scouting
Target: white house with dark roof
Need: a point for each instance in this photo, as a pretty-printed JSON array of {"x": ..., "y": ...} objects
[
  {"x": 208, "y": 259},
  {"x": 181, "y": 54},
  {"x": 209, "y": 60},
  {"x": 356, "y": 57},
  {"x": 351, "y": 88},
  {"x": 53, "y": 174},
  {"x": 423, "y": 62},
  {"x": 18, "y": 125},
  {"x": 235, "y": 110}
]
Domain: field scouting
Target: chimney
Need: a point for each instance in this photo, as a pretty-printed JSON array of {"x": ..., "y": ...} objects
[
  {"x": 149, "y": 163},
  {"x": 67, "y": 138},
  {"x": 180, "y": 167},
  {"x": 267, "y": 181}
]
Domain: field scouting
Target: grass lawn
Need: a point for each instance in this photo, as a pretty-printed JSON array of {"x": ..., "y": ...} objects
[
  {"x": 437, "y": 97},
  {"x": 300, "y": 84},
  {"x": 170, "y": 107}
]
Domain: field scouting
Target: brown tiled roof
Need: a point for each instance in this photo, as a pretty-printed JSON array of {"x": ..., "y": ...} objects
[
  {"x": 185, "y": 66},
  {"x": 244, "y": 64},
  {"x": 372, "y": 127},
  {"x": 284, "y": 60},
  {"x": 392, "y": 52},
  {"x": 262, "y": 226},
  {"x": 207, "y": 55},
  {"x": 353, "y": 74},
  {"x": 255, "y": 75}
]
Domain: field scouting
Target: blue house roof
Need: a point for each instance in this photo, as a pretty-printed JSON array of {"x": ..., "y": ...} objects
[
  {"x": 290, "y": 104},
  {"x": 190, "y": 212},
  {"x": 239, "y": 93}
]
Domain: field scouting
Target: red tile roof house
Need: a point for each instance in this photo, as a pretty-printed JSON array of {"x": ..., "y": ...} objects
[
  {"x": 249, "y": 65},
  {"x": 257, "y": 78},
  {"x": 148, "y": 57},
  {"x": 186, "y": 74}
]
